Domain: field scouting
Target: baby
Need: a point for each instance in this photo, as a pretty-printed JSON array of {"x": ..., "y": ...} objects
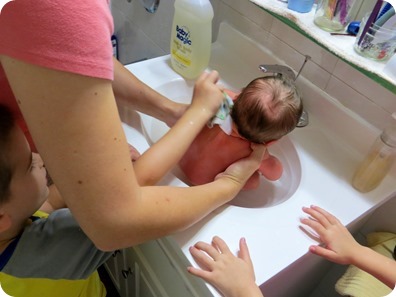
[{"x": 266, "y": 109}]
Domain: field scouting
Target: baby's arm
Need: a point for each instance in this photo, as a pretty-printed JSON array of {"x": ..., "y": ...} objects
[
  {"x": 340, "y": 247},
  {"x": 232, "y": 276},
  {"x": 271, "y": 168}
]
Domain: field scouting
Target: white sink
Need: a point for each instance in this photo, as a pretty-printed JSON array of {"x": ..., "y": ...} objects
[
  {"x": 319, "y": 162},
  {"x": 268, "y": 193}
]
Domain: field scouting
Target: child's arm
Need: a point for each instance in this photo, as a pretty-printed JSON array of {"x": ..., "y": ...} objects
[
  {"x": 232, "y": 276},
  {"x": 340, "y": 247}
]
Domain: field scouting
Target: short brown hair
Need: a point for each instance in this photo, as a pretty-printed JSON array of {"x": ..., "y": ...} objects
[
  {"x": 268, "y": 108},
  {"x": 7, "y": 124}
]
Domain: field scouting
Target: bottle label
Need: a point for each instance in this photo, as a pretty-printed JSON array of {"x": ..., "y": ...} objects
[
  {"x": 183, "y": 34},
  {"x": 182, "y": 43}
]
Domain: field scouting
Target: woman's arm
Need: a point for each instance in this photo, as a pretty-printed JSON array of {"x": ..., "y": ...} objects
[
  {"x": 165, "y": 154},
  {"x": 75, "y": 124},
  {"x": 141, "y": 97}
]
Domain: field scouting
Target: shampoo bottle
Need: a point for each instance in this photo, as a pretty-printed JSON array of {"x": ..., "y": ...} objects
[
  {"x": 378, "y": 161},
  {"x": 191, "y": 37}
]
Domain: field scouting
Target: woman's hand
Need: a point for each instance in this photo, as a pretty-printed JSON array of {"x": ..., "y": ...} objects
[
  {"x": 207, "y": 94},
  {"x": 240, "y": 171}
]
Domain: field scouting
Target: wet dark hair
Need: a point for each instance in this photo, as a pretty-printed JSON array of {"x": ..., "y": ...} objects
[
  {"x": 267, "y": 109},
  {"x": 7, "y": 124}
]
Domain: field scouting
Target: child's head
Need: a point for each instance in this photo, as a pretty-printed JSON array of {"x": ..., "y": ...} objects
[
  {"x": 23, "y": 183},
  {"x": 267, "y": 109}
]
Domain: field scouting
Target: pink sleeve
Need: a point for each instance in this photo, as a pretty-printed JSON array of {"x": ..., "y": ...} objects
[{"x": 66, "y": 35}]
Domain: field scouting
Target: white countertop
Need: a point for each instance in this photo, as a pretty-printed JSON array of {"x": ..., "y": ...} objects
[{"x": 329, "y": 150}]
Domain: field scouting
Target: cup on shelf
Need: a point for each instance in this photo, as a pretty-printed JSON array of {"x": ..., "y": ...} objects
[
  {"x": 302, "y": 6},
  {"x": 334, "y": 15},
  {"x": 374, "y": 41},
  {"x": 390, "y": 67}
]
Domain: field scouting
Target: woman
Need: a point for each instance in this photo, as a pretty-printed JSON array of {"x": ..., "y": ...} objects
[{"x": 57, "y": 58}]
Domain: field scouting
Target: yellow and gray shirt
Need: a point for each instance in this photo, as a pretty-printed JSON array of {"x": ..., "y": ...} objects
[{"x": 52, "y": 257}]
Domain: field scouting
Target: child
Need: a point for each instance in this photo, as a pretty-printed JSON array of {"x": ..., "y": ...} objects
[
  {"x": 267, "y": 109},
  {"x": 39, "y": 256},
  {"x": 234, "y": 276},
  {"x": 340, "y": 247}
]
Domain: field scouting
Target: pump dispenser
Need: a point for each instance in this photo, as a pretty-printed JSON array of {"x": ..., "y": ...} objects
[
  {"x": 378, "y": 162},
  {"x": 191, "y": 37}
]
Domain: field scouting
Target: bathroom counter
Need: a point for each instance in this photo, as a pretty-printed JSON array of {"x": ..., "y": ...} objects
[
  {"x": 329, "y": 150},
  {"x": 341, "y": 46}
]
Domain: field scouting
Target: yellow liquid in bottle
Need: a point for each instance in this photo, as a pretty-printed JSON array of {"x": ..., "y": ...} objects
[{"x": 372, "y": 171}]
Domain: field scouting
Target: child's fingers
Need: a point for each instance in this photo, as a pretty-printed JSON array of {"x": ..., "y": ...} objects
[
  {"x": 244, "y": 253},
  {"x": 220, "y": 244},
  {"x": 323, "y": 252},
  {"x": 205, "y": 275},
  {"x": 317, "y": 226},
  {"x": 209, "y": 249},
  {"x": 331, "y": 218},
  {"x": 201, "y": 258},
  {"x": 317, "y": 216}
]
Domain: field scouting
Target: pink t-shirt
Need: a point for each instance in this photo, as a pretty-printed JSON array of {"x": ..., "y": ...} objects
[{"x": 66, "y": 35}]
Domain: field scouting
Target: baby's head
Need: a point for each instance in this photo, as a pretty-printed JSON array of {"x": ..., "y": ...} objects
[
  {"x": 267, "y": 109},
  {"x": 23, "y": 183}
]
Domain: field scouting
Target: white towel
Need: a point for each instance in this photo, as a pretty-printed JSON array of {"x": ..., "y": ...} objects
[{"x": 223, "y": 117}]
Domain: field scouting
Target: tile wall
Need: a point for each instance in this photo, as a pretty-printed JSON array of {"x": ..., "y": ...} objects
[{"x": 142, "y": 35}]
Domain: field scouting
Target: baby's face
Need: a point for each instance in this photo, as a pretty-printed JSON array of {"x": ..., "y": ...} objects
[{"x": 29, "y": 182}]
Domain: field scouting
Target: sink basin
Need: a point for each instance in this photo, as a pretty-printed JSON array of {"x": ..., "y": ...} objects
[
  {"x": 269, "y": 193},
  {"x": 319, "y": 162}
]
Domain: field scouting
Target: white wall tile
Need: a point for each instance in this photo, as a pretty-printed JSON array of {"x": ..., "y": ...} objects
[
  {"x": 145, "y": 35},
  {"x": 356, "y": 102},
  {"x": 242, "y": 23},
  {"x": 365, "y": 86},
  {"x": 320, "y": 56},
  {"x": 251, "y": 11}
]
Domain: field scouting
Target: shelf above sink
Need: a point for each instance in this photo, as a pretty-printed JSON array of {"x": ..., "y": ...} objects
[{"x": 341, "y": 46}]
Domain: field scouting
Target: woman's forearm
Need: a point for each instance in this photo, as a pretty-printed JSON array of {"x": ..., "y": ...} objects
[{"x": 128, "y": 88}]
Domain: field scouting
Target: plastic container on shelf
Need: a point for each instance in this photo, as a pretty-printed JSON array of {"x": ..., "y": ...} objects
[
  {"x": 377, "y": 42},
  {"x": 302, "y": 6},
  {"x": 334, "y": 15},
  {"x": 378, "y": 161},
  {"x": 191, "y": 37}
]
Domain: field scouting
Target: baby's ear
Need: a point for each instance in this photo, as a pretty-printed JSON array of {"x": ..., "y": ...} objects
[{"x": 5, "y": 221}]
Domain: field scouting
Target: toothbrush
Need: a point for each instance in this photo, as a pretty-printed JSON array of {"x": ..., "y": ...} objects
[
  {"x": 331, "y": 6},
  {"x": 370, "y": 20}
]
